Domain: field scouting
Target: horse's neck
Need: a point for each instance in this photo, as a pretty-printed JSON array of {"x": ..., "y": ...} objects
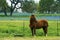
[{"x": 33, "y": 21}]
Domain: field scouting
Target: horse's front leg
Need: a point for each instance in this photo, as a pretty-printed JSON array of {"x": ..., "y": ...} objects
[
  {"x": 35, "y": 29},
  {"x": 32, "y": 31}
]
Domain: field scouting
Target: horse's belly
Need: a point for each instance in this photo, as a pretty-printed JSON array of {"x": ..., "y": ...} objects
[{"x": 38, "y": 27}]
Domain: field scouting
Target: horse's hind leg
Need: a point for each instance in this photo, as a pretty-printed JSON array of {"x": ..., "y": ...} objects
[{"x": 45, "y": 31}]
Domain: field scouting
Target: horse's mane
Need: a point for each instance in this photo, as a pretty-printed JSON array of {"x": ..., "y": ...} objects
[{"x": 32, "y": 19}]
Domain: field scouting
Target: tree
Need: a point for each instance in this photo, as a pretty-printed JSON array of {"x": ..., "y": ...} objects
[
  {"x": 45, "y": 5},
  {"x": 58, "y": 6},
  {"x": 28, "y": 6},
  {"x": 37, "y": 7},
  {"x": 14, "y": 4},
  {"x": 3, "y": 6}
]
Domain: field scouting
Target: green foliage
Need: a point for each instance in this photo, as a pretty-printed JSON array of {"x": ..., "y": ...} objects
[
  {"x": 28, "y": 6},
  {"x": 58, "y": 6},
  {"x": 45, "y": 5},
  {"x": 37, "y": 7},
  {"x": 3, "y": 5}
]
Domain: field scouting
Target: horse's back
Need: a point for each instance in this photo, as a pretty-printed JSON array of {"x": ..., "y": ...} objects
[{"x": 42, "y": 23}]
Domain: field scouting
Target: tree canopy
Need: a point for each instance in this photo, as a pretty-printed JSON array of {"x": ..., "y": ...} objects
[
  {"x": 45, "y": 5},
  {"x": 28, "y": 6},
  {"x": 3, "y": 6}
]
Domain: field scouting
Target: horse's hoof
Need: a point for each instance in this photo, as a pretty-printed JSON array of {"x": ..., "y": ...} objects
[
  {"x": 34, "y": 35},
  {"x": 46, "y": 35}
]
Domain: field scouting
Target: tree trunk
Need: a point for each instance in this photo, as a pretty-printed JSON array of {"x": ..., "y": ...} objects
[
  {"x": 5, "y": 13},
  {"x": 11, "y": 10},
  {"x": 11, "y": 13}
]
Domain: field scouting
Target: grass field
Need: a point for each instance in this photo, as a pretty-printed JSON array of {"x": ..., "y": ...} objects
[
  {"x": 15, "y": 27},
  {"x": 30, "y": 38},
  {"x": 11, "y": 26}
]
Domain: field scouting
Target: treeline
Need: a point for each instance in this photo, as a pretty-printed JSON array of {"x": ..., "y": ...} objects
[
  {"x": 49, "y": 6},
  {"x": 44, "y": 6}
]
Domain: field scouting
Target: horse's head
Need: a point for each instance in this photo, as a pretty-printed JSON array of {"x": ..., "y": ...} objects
[{"x": 32, "y": 19}]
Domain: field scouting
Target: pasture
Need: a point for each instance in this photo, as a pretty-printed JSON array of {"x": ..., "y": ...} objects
[
  {"x": 10, "y": 28},
  {"x": 18, "y": 24},
  {"x": 30, "y": 38}
]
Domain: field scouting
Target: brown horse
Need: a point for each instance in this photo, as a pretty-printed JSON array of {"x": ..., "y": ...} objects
[{"x": 34, "y": 24}]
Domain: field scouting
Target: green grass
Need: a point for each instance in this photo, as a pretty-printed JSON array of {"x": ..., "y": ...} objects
[
  {"x": 15, "y": 27},
  {"x": 48, "y": 14},
  {"x": 30, "y": 38}
]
